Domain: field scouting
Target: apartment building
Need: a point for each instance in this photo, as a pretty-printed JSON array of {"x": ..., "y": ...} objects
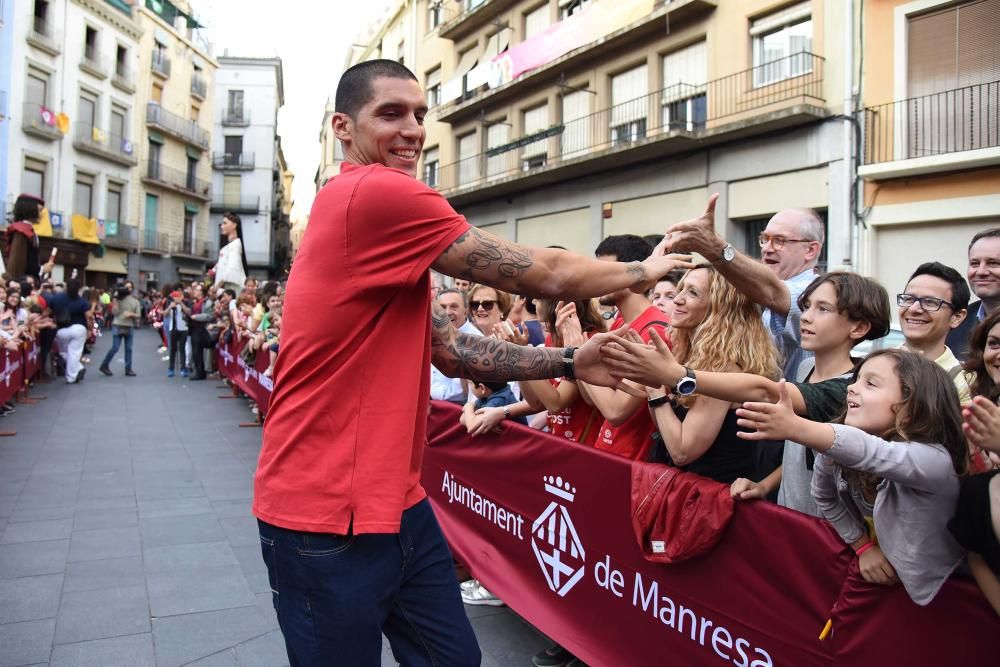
[
  {"x": 931, "y": 121},
  {"x": 70, "y": 138},
  {"x": 562, "y": 122},
  {"x": 282, "y": 213},
  {"x": 331, "y": 153},
  {"x": 6, "y": 55},
  {"x": 170, "y": 203},
  {"x": 247, "y": 163}
]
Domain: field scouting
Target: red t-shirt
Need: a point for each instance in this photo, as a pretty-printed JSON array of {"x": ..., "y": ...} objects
[
  {"x": 579, "y": 421},
  {"x": 632, "y": 438},
  {"x": 347, "y": 421}
]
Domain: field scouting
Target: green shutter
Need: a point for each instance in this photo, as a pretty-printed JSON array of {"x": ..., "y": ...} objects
[
  {"x": 191, "y": 208},
  {"x": 156, "y": 137},
  {"x": 193, "y": 153}
]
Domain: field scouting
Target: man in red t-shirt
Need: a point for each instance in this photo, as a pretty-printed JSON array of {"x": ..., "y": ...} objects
[
  {"x": 628, "y": 428},
  {"x": 351, "y": 545}
]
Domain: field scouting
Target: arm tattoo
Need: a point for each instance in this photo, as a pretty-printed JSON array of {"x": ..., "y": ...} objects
[
  {"x": 486, "y": 256},
  {"x": 483, "y": 359},
  {"x": 638, "y": 270}
]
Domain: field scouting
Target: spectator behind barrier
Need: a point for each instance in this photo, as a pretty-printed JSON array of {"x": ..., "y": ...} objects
[
  {"x": 663, "y": 293},
  {"x": 887, "y": 477},
  {"x": 984, "y": 277},
  {"x": 487, "y": 307}
]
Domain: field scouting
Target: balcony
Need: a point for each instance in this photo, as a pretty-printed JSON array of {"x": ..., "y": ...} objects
[
  {"x": 126, "y": 237},
  {"x": 460, "y": 18},
  {"x": 233, "y": 161},
  {"x": 92, "y": 62},
  {"x": 40, "y": 121},
  {"x": 123, "y": 79},
  {"x": 187, "y": 131},
  {"x": 160, "y": 65},
  {"x": 681, "y": 118},
  {"x": 236, "y": 117},
  {"x": 111, "y": 147},
  {"x": 194, "y": 248},
  {"x": 199, "y": 88},
  {"x": 237, "y": 204},
  {"x": 675, "y": 13},
  {"x": 155, "y": 242},
  {"x": 946, "y": 131},
  {"x": 43, "y": 36},
  {"x": 177, "y": 180}
]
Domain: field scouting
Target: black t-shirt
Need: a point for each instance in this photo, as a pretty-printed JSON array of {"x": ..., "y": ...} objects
[{"x": 972, "y": 525}]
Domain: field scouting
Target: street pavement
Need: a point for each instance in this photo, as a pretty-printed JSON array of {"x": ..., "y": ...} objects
[{"x": 125, "y": 529}]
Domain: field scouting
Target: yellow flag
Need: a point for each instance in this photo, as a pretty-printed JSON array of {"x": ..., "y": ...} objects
[
  {"x": 44, "y": 226},
  {"x": 84, "y": 229}
]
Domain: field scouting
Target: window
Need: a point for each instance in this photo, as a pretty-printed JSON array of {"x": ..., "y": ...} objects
[
  {"x": 117, "y": 129},
  {"x": 90, "y": 44},
  {"x": 189, "y": 231},
  {"x": 431, "y": 167},
  {"x": 113, "y": 205},
  {"x": 535, "y": 153},
  {"x": 37, "y": 87},
  {"x": 570, "y": 7},
  {"x": 161, "y": 62},
  {"x": 87, "y": 114},
  {"x": 195, "y": 113},
  {"x": 149, "y": 221},
  {"x": 33, "y": 178},
  {"x": 231, "y": 191},
  {"x": 629, "y": 105},
  {"x": 236, "y": 104},
  {"x": 433, "y": 14},
  {"x": 781, "y": 44},
  {"x": 497, "y": 135},
  {"x": 536, "y": 21},
  {"x": 468, "y": 160},
  {"x": 154, "y": 160},
  {"x": 83, "y": 195},
  {"x": 433, "y": 87},
  {"x": 683, "y": 98},
  {"x": 121, "y": 62},
  {"x": 234, "y": 148},
  {"x": 576, "y": 134},
  {"x": 157, "y": 95},
  {"x": 191, "y": 183}
]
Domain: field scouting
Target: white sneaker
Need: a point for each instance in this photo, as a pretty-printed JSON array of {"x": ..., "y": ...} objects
[
  {"x": 480, "y": 596},
  {"x": 468, "y": 585},
  {"x": 161, "y": 349}
]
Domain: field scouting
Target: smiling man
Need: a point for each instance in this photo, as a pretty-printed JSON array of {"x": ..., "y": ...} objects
[
  {"x": 984, "y": 278},
  {"x": 352, "y": 547},
  {"x": 790, "y": 249},
  {"x": 935, "y": 302}
]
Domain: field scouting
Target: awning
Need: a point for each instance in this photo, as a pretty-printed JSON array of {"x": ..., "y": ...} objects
[{"x": 113, "y": 261}]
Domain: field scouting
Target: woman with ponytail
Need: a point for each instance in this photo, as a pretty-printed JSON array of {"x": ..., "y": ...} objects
[{"x": 231, "y": 271}]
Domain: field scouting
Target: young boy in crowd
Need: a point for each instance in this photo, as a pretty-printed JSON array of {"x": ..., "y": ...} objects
[
  {"x": 491, "y": 395},
  {"x": 839, "y": 310}
]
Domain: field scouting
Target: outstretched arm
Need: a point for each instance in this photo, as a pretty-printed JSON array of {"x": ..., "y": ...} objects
[
  {"x": 749, "y": 276},
  {"x": 547, "y": 272}
]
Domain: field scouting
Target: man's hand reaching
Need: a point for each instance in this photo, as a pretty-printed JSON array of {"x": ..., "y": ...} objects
[{"x": 697, "y": 235}]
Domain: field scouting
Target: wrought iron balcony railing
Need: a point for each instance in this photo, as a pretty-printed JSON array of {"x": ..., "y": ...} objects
[
  {"x": 237, "y": 204},
  {"x": 186, "y": 130},
  {"x": 160, "y": 64},
  {"x": 176, "y": 179},
  {"x": 239, "y": 161},
  {"x": 96, "y": 141},
  {"x": 236, "y": 117}
]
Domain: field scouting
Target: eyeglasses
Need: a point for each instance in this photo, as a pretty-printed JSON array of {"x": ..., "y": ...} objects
[
  {"x": 778, "y": 242},
  {"x": 486, "y": 305},
  {"x": 929, "y": 303}
]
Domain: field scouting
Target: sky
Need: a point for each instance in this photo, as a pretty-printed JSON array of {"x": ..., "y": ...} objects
[{"x": 312, "y": 38}]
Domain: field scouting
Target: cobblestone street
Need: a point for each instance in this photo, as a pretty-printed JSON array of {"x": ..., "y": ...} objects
[{"x": 125, "y": 529}]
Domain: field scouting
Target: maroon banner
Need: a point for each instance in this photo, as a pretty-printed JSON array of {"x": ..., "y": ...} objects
[
  {"x": 546, "y": 525},
  {"x": 249, "y": 379},
  {"x": 31, "y": 359},
  {"x": 11, "y": 374}
]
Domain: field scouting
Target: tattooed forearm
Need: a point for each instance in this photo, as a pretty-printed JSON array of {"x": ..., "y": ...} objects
[
  {"x": 485, "y": 359},
  {"x": 487, "y": 256},
  {"x": 638, "y": 270}
]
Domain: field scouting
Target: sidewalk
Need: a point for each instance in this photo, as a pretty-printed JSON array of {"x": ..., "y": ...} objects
[{"x": 125, "y": 529}]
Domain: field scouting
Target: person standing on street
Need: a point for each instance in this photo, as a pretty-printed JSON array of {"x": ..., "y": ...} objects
[
  {"x": 231, "y": 270},
  {"x": 352, "y": 546},
  {"x": 126, "y": 309},
  {"x": 73, "y": 320}
]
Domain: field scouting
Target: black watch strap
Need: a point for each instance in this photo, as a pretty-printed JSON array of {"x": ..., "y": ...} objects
[
  {"x": 658, "y": 401},
  {"x": 569, "y": 372}
]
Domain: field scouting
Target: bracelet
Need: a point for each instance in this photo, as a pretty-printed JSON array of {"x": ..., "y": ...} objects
[
  {"x": 506, "y": 412},
  {"x": 658, "y": 401},
  {"x": 569, "y": 372},
  {"x": 863, "y": 548}
]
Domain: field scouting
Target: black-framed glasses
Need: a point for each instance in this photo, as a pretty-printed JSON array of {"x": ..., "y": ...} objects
[
  {"x": 486, "y": 304},
  {"x": 778, "y": 242},
  {"x": 929, "y": 303}
]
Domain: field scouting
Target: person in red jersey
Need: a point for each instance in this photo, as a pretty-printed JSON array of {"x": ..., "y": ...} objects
[{"x": 352, "y": 547}]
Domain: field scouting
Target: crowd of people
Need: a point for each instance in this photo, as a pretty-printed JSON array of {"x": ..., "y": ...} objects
[{"x": 746, "y": 372}]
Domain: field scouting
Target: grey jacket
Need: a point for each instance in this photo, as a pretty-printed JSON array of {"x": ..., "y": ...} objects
[{"x": 915, "y": 500}]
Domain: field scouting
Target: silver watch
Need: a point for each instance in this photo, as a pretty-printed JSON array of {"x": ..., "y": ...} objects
[{"x": 728, "y": 254}]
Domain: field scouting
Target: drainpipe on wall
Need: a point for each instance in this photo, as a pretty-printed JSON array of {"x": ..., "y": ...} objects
[{"x": 853, "y": 258}]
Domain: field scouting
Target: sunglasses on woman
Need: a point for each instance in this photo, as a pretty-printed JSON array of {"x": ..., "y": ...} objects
[{"x": 486, "y": 304}]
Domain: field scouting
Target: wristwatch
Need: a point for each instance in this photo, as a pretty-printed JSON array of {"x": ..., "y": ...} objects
[
  {"x": 728, "y": 255},
  {"x": 567, "y": 362},
  {"x": 687, "y": 385},
  {"x": 506, "y": 412}
]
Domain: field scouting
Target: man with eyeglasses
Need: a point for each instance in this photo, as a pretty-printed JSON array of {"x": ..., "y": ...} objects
[
  {"x": 934, "y": 303},
  {"x": 790, "y": 248}
]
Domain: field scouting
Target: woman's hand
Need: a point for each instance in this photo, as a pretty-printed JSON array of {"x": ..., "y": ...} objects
[
  {"x": 876, "y": 568},
  {"x": 746, "y": 489},
  {"x": 981, "y": 424},
  {"x": 511, "y": 333},
  {"x": 769, "y": 421},
  {"x": 651, "y": 364},
  {"x": 568, "y": 325}
]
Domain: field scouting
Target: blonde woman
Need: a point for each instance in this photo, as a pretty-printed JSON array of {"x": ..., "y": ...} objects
[
  {"x": 487, "y": 307},
  {"x": 715, "y": 328}
]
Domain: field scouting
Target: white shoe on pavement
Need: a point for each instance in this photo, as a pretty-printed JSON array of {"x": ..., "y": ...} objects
[{"x": 480, "y": 596}]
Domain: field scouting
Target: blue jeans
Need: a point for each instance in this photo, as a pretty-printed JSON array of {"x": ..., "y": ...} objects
[
  {"x": 117, "y": 335},
  {"x": 336, "y": 595}
]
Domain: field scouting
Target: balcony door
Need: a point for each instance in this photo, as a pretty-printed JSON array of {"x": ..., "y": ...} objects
[
  {"x": 234, "y": 150},
  {"x": 236, "y": 105}
]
